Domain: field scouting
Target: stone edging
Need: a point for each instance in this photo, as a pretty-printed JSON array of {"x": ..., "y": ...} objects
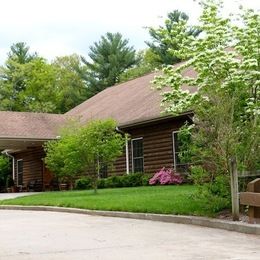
[{"x": 199, "y": 221}]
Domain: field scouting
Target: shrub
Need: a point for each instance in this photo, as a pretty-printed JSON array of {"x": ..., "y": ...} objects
[
  {"x": 134, "y": 179},
  {"x": 166, "y": 176},
  {"x": 145, "y": 180},
  {"x": 199, "y": 175},
  {"x": 113, "y": 182},
  {"x": 101, "y": 183},
  {"x": 131, "y": 180},
  {"x": 213, "y": 191},
  {"x": 220, "y": 186},
  {"x": 83, "y": 184}
]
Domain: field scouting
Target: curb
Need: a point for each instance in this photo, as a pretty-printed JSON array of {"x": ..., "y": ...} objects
[{"x": 191, "y": 220}]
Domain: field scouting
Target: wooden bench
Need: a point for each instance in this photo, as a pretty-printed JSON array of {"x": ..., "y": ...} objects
[{"x": 252, "y": 199}]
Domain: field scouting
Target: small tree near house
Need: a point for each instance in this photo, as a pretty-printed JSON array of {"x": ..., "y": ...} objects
[
  {"x": 62, "y": 157},
  {"x": 82, "y": 150},
  {"x": 99, "y": 145},
  {"x": 226, "y": 104}
]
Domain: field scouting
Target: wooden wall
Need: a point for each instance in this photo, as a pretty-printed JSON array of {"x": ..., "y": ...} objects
[
  {"x": 157, "y": 149},
  {"x": 32, "y": 164},
  {"x": 157, "y": 146}
]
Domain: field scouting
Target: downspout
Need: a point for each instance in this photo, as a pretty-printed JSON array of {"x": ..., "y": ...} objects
[
  {"x": 126, "y": 149},
  {"x": 13, "y": 162}
]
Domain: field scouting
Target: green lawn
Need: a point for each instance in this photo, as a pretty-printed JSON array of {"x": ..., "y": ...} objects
[{"x": 152, "y": 199}]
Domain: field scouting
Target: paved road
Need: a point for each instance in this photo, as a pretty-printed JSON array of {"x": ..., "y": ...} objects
[
  {"x": 5, "y": 196},
  {"x": 49, "y": 235}
]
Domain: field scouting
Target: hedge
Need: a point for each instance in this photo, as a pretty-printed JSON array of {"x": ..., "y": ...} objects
[{"x": 131, "y": 180}]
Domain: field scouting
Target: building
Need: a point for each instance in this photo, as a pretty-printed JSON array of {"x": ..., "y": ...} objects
[{"x": 134, "y": 105}]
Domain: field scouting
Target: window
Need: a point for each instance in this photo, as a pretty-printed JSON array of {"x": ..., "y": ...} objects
[
  {"x": 176, "y": 149},
  {"x": 19, "y": 172},
  {"x": 103, "y": 170},
  {"x": 137, "y": 155}
]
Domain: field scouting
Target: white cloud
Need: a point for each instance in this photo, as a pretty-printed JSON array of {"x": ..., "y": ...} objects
[{"x": 60, "y": 27}]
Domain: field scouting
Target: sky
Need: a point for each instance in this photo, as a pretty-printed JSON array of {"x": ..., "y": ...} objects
[{"x": 63, "y": 27}]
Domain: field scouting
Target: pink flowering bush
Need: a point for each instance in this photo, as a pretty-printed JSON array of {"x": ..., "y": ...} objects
[{"x": 166, "y": 176}]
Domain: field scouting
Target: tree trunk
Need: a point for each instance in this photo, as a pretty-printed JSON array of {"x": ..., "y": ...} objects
[{"x": 95, "y": 178}]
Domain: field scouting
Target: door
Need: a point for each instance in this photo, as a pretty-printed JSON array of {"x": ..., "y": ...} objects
[{"x": 19, "y": 172}]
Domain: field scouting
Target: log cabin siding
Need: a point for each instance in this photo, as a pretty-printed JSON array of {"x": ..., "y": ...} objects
[
  {"x": 32, "y": 165},
  {"x": 157, "y": 146},
  {"x": 157, "y": 151}
]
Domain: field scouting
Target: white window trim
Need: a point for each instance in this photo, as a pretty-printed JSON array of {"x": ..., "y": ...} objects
[
  {"x": 173, "y": 148},
  {"x": 132, "y": 152},
  {"x": 17, "y": 170},
  {"x": 127, "y": 155}
]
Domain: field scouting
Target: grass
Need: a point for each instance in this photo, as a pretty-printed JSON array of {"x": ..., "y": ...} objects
[{"x": 151, "y": 199}]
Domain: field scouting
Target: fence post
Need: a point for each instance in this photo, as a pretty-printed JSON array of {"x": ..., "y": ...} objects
[{"x": 234, "y": 189}]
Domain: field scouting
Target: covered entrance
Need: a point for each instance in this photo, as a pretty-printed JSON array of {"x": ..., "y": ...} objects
[{"x": 27, "y": 163}]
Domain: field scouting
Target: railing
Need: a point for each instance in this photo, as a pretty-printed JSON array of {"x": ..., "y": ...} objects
[{"x": 252, "y": 199}]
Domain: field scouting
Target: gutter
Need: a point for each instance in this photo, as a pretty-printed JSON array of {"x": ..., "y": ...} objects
[
  {"x": 11, "y": 138},
  {"x": 153, "y": 120},
  {"x": 13, "y": 161},
  {"x": 126, "y": 148}
]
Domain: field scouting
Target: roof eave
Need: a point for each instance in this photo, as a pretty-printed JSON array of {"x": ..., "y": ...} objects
[
  {"x": 15, "y": 138},
  {"x": 153, "y": 120}
]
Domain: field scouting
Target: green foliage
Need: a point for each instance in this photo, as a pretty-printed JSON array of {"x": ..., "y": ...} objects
[
  {"x": 144, "y": 66},
  {"x": 113, "y": 182},
  {"x": 226, "y": 104},
  {"x": 71, "y": 88},
  {"x": 20, "y": 53},
  {"x": 82, "y": 149},
  {"x": 131, "y": 180},
  {"x": 135, "y": 72},
  {"x": 83, "y": 184},
  {"x": 39, "y": 93},
  {"x": 210, "y": 202},
  {"x": 29, "y": 83},
  {"x": 5, "y": 169},
  {"x": 62, "y": 158},
  {"x": 170, "y": 37},
  {"x": 185, "y": 145},
  {"x": 110, "y": 56},
  {"x": 220, "y": 187},
  {"x": 199, "y": 175}
]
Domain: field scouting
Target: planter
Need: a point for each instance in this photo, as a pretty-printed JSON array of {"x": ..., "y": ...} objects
[
  {"x": 15, "y": 189},
  {"x": 63, "y": 186}
]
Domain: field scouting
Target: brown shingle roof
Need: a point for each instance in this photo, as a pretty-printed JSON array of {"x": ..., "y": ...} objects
[
  {"x": 26, "y": 125},
  {"x": 129, "y": 102},
  {"x": 133, "y": 101}
]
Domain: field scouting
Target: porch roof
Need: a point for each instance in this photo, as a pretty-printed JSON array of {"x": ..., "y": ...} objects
[{"x": 32, "y": 126}]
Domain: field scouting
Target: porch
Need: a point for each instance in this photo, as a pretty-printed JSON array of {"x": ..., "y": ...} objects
[{"x": 28, "y": 169}]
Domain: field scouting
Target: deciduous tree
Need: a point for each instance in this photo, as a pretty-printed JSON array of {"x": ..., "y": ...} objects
[
  {"x": 226, "y": 104},
  {"x": 81, "y": 150}
]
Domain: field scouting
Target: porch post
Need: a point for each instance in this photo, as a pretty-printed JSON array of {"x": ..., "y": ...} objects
[
  {"x": 127, "y": 155},
  {"x": 13, "y": 168}
]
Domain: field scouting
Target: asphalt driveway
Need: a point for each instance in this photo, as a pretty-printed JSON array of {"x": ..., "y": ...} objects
[
  {"x": 5, "y": 196},
  {"x": 52, "y": 235}
]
